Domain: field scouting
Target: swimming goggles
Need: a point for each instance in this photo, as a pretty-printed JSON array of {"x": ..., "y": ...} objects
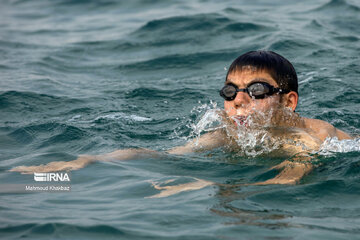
[{"x": 257, "y": 90}]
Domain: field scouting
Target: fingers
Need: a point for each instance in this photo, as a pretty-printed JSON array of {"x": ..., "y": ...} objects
[
  {"x": 26, "y": 169},
  {"x": 57, "y": 166}
]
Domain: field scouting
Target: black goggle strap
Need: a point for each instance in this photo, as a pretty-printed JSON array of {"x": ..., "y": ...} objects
[{"x": 280, "y": 90}]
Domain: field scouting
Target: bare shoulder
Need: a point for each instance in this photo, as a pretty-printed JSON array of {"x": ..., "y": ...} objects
[{"x": 322, "y": 129}]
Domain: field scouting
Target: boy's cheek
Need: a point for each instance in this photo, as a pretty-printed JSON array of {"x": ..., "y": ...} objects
[
  {"x": 228, "y": 107},
  {"x": 229, "y": 111}
]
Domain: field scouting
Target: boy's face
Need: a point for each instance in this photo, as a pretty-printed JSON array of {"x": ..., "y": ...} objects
[{"x": 243, "y": 105}]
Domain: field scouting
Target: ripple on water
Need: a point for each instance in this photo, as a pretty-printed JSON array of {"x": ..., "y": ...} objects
[
  {"x": 203, "y": 27},
  {"x": 91, "y": 52},
  {"x": 337, "y": 7},
  {"x": 286, "y": 45},
  {"x": 47, "y": 134},
  {"x": 179, "y": 61},
  {"x": 54, "y": 229},
  {"x": 23, "y": 106},
  {"x": 177, "y": 25},
  {"x": 156, "y": 93}
]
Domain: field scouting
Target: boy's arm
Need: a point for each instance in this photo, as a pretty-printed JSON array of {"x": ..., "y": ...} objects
[
  {"x": 205, "y": 142},
  {"x": 84, "y": 160},
  {"x": 291, "y": 171}
]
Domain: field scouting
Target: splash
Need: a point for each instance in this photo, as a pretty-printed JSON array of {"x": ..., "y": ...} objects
[
  {"x": 209, "y": 119},
  {"x": 203, "y": 118},
  {"x": 334, "y": 145},
  {"x": 252, "y": 141},
  {"x": 250, "y": 136},
  {"x": 277, "y": 132}
]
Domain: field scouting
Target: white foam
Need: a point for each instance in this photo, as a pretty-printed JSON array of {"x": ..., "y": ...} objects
[
  {"x": 139, "y": 118},
  {"x": 120, "y": 115},
  {"x": 334, "y": 145},
  {"x": 74, "y": 118},
  {"x": 210, "y": 119}
]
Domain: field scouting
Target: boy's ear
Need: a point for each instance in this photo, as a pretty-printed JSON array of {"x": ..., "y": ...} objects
[{"x": 291, "y": 100}]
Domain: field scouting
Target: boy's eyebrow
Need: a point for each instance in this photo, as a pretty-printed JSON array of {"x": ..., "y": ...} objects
[{"x": 252, "y": 81}]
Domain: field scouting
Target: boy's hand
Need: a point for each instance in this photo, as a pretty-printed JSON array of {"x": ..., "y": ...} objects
[{"x": 57, "y": 166}]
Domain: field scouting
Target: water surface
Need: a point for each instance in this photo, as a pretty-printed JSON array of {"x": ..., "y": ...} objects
[{"x": 90, "y": 77}]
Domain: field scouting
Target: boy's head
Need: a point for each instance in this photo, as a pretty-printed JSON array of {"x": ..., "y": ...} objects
[
  {"x": 281, "y": 70},
  {"x": 259, "y": 81}
]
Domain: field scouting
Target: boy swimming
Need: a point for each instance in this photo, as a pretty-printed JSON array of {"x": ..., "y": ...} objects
[{"x": 260, "y": 95}]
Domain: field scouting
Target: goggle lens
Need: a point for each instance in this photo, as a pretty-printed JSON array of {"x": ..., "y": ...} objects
[
  {"x": 229, "y": 91},
  {"x": 258, "y": 90}
]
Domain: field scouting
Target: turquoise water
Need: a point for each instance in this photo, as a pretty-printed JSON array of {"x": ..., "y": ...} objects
[{"x": 90, "y": 77}]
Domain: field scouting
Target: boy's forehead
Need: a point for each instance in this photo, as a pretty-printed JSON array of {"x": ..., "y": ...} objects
[{"x": 246, "y": 76}]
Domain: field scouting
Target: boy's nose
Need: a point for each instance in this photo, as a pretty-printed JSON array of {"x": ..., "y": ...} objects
[{"x": 242, "y": 99}]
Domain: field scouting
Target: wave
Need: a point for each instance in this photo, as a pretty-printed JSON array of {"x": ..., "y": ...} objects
[
  {"x": 233, "y": 10},
  {"x": 60, "y": 229},
  {"x": 197, "y": 28},
  {"x": 121, "y": 46},
  {"x": 292, "y": 45},
  {"x": 92, "y": 3},
  {"x": 17, "y": 101},
  {"x": 67, "y": 64},
  {"x": 188, "y": 61},
  {"x": 324, "y": 53},
  {"x": 245, "y": 27},
  {"x": 164, "y": 33},
  {"x": 338, "y": 6},
  {"x": 345, "y": 97},
  {"x": 173, "y": 94},
  {"x": 200, "y": 22},
  {"x": 6, "y": 67},
  {"x": 47, "y": 134},
  {"x": 348, "y": 25},
  {"x": 347, "y": 38},
  {"x": 21, "y": 45},
  {"x": 314, "y": 25}
]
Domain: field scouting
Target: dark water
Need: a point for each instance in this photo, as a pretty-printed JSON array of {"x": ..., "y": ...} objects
[{"x": 89, "y": 77}]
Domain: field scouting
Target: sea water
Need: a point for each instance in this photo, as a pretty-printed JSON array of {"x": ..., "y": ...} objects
[{"x": 91, "y": 77}]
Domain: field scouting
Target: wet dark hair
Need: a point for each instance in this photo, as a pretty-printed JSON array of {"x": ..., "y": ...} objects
[{"x": 276, "y": 65}]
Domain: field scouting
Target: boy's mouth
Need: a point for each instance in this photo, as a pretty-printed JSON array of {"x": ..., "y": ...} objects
[{"x": 239, "y": 120}]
